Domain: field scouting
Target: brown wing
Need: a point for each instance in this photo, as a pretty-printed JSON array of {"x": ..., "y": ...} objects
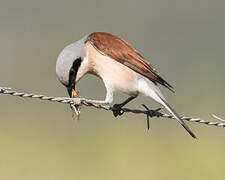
[{"x": 124, "y": 53}]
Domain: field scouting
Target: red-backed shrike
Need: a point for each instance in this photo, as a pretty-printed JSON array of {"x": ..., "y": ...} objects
[{"x": 118, "y": 64}]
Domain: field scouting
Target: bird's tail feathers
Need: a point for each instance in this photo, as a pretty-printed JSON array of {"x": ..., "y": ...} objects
[{"x": 171, "y": 110}]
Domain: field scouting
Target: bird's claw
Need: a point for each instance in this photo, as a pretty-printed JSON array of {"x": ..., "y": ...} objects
[{"x": 117, "y": 111}]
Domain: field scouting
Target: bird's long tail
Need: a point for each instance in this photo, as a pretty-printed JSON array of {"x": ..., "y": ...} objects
[
  {"x": 150, "y": 89},
  {"x": 171, "y": 110}
]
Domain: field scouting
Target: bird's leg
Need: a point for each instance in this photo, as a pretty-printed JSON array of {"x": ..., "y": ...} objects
[
  {"x": 102, "y": 102},
  {"x": 117, "y": 107},
  {"x": 108, "y": 98}
]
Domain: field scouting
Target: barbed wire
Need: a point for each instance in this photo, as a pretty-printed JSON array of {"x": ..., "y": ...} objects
[{"x": 75, "y": 104}]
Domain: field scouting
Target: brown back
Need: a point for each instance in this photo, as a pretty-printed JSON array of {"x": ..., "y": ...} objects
[{"x": 118, "y": 49}]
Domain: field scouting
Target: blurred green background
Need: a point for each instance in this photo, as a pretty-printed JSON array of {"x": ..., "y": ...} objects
[{"x": 184, "y": 40}]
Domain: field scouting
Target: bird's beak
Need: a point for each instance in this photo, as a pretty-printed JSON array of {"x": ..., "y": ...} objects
[{"x": 72, "y": 92}]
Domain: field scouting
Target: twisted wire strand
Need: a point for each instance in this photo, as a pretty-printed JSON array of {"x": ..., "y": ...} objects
[{"x": 91, "y": 103}]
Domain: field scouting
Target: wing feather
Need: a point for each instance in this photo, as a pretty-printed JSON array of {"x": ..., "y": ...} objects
[{"x": 118, "y": 49}]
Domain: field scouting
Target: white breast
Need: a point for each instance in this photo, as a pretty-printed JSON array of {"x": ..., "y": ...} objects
[{"x": 114, "y": 74}]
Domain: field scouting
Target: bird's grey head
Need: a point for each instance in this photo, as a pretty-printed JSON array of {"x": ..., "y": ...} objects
[{"x": 68, "y": 63}]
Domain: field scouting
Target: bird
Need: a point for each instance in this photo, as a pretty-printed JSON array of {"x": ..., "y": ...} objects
[{"x": 120, "y": 66}]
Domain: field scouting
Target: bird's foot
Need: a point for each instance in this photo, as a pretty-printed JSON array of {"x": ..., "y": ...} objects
[{"x": 117, "y": 110}]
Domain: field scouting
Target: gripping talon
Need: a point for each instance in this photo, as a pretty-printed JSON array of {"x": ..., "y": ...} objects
[{"x": 117, "y": 111}]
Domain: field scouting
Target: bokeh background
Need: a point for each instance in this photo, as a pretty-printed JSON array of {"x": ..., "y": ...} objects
[{"x": 184, "y": 40}]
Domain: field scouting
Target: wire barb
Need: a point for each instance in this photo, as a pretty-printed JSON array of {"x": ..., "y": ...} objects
[{"x": 75, "y": 104}]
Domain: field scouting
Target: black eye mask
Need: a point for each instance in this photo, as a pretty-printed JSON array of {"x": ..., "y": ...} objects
[{"x": 73, "y": 73}]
